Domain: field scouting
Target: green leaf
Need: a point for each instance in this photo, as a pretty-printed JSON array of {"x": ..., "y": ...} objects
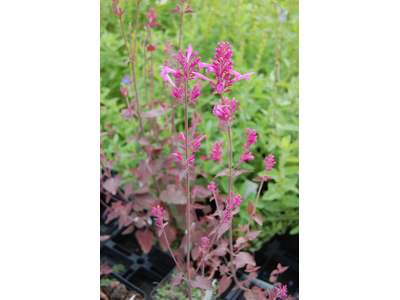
[
  {"x": 289, "y": 127},
  {"x": 294, "y": 230},
  {"x": 290, "y": 159},
  {"x": 291, "y": 201}
]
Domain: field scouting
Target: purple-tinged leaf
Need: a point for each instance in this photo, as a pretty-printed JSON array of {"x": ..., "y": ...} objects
[
  {"x": 111, "y": 184},
  {"x": 224, "y": 283},
  {"x": 221, "y": 250},
  {"x": 282, "y": 269},
  {"x": 188, "y": 11},
  {"x": 240, "y": 172},
  {"x": 274, "y": 272},
  {"x": 192, "y": 105},
  {"x": 102, "y": 157},
  {"x": 222, "y": 173},
  {"x": 145, "y": 239},
  {"x": 128, "y": 230},
  {"x": 183, "y": 173},
  {"x": 106, "y": 268},
  {"x": 240, "y": 240},
  {"x": 170, "y": 195},
  {"x": 132, "y": 138},
  {"x": 153, "y": 113},
  {"x": 177, "y": 279},
  {"x": 251, "y": 269},
  {"x": 122, "y": 219},
  {"x": 250, "y": 208},
  {"x": 258, "y": 219},
  {"x": 222, "y": 229},
  {"x": 203, "y": 283},
  {"x": 253, "y": 275},
  {"x": 142, "y": 190},
  {"x": 265, "y": 178},
  {"x": 223, "y": 269},
  {"x": 253, "y": 234},
  {"x": 242, "y": 259},
  {"x": 143, "y": 141},
  {"x": 104, "y": 238}
]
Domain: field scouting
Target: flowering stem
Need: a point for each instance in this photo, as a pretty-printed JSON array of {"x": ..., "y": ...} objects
[
  {"x": 255, "y": 205},
  {"x": 230, "y": 190},
  {"x": 180, "y": 30},
  {"x": 151, "y": 74},
  {"x": 133, "y": 123},
  {"x": 144, "y": 65},
  {"x": 187, "y": 195},
  {"x": 179, "y": 267}
]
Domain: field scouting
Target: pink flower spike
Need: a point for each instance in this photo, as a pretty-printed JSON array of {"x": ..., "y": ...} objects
[
  {"x": 178, "y": 93},
  {"x": 251, "y": 137},
  {"x": 281, "y": 292},
  {"x": 226, "y": 110},
  {"x": 196, "y": 144},
  {"x": 159, "y": 213},
  {"x": 191, "y": 160},
  {"x": 205, "y": 241},
  {"x": 192, "y": 96},
  {"x": 217, "y": 152},
  {"x": 212, "y": 188},
  {"x": 269, "y": 162},
  {"x": 178, "y": 157},
  {"x": 183, "y": 139},
  {"x": 246, "y": 156}
]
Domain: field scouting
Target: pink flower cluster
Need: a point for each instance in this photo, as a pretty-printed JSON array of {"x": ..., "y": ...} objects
[
  {"x": 226, "y": 110},
  {"x": 246, "y": 156},
  {"x": 232, "y": 203},
  {"x": 159, "y": 213},
  {"x": 251, "y": 137},
  {"x": 192, "y": 95},
  {"x": 269, "y": 162},
  {"x": 217, "y": 152},
  {"x": 194, "y": 148},
  {"x": 222, "y": 68},
  {"x": 281, "y": 292},
  {"x": 151, "y": 18},
  {"x": 212, "y": 188}
]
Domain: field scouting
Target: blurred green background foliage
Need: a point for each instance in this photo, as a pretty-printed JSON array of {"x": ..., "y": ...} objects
[{"x": 264, "y": 36}]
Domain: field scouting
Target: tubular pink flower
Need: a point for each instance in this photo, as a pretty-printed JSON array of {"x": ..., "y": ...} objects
[
  {"x": 204, "y": 243},
  {"x": 212, "y": 188},
  {"x": 232, "y": 202},
  {"x": 239, "y": 77},
  {"x": 191, "y": 160},
  {"x": 246, "y": 156},
  {"x": 269, "y": 162},
  {"x": 222, "y": 65},
  {"x": 164, "y": 74},
  {"x": 281, "y": 292},
  {"x": 159, "y": 213},
  {"x": 226, "y": 110},
  {"x": 198, "y": 75},
  {"x": 183, "y": 140},
  {"x": 178, "y": 157},
  {"x": 196, "y": 144},
  {"x": 208, "y": 66},
  {"x": 188, "y": 64},
  {"x": 192, "y": 96},
  {"x": 217, "y": 152},
  {"x": 251, "y": 137},
  {"x": 178, "y": 93}
]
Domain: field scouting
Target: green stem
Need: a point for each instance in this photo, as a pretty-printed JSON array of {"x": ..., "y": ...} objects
[{"x": 187, "y": 194}]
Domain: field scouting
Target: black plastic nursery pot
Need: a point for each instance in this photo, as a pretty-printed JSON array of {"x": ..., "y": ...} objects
[{"x": 128, "y": 286}]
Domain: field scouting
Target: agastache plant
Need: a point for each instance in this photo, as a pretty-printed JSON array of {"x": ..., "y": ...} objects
[{"x": 203, "y": 240}]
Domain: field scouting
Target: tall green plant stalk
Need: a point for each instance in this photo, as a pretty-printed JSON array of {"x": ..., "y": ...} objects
[{"x": 187, "y": 194}]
